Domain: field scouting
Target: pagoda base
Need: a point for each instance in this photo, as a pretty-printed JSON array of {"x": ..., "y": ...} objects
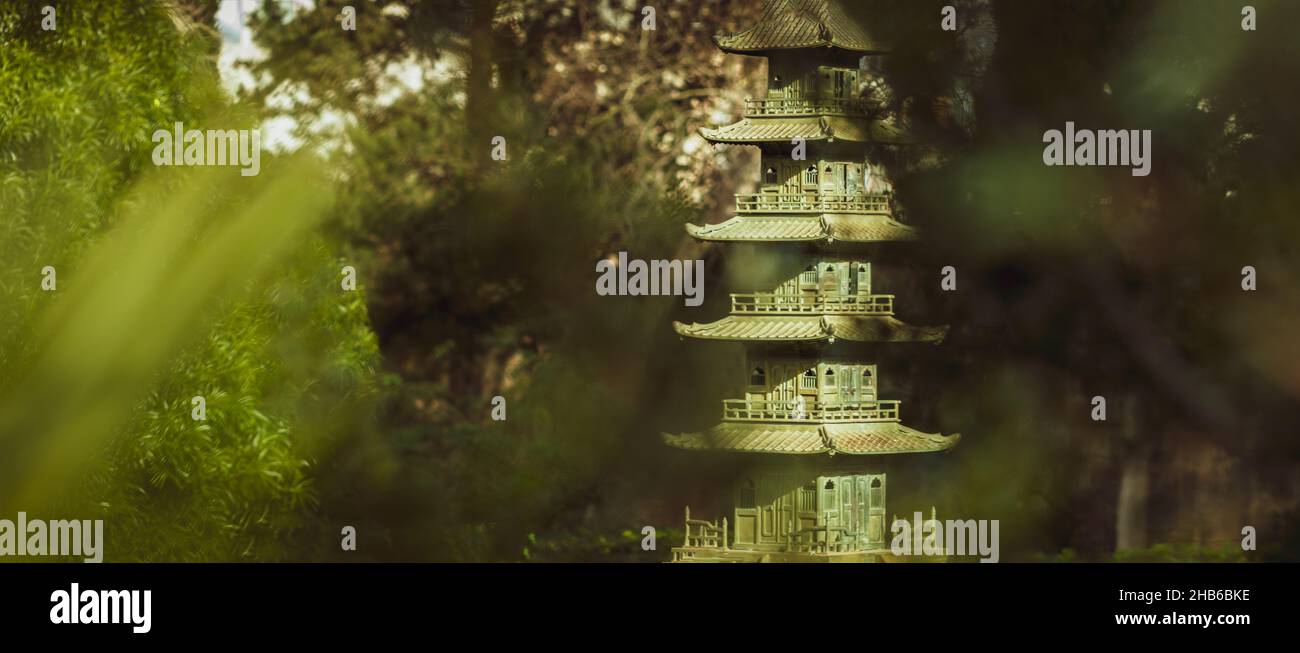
[{"x": 711, "y": 554}]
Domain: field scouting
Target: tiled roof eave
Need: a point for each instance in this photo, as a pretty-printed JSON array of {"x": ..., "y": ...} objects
[
  {"x": 728, "y": 329},
  {"x": 807, "y": 227},
  {"x": 759, "y": 130},
  {"x": 888, "y": 438},
  {"x": 795, "y": 228},
  {"x": 882, "y": 438},
  {"x": 800, "y": 24},
  {"x": 758, "y": 51},
  {"x": 811, "y": 327}
]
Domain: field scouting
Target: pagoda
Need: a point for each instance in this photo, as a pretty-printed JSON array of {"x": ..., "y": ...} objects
[{"x": 811, "y": 426}]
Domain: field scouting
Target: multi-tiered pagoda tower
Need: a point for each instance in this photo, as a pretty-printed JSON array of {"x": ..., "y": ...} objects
[{"x": 811, "y": 421}]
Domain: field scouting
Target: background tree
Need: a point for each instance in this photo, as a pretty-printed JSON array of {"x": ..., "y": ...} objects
[{"x": 171, "y": 283}]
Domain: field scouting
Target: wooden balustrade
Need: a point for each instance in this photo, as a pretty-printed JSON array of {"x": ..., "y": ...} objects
[
  {"x": 759, "y": 410},
  {"x": 812, "y": 106},
  {"x": 705, "y": 534},
  {"x": 824, "y": 539},
  {"x": 812, "y": 203},
  {"x": 768, "y": 302}
]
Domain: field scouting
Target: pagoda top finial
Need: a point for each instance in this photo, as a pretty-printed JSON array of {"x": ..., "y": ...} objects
[{"x": 793, "y": 24}]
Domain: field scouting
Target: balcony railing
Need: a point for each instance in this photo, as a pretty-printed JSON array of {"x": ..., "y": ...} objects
[
  {"x": 811, "y": 203},
  {"x": 805, "y": 107},
  {"x": 757, "y": 303},
  {"x": 824, "y": 538},
  {"x": 760, "y": 410},
  {"x": 700, "y": 533}
]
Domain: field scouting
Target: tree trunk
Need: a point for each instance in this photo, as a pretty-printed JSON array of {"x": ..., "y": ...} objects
[
  {"x": 1131, "y": 514},
  {"x": 1134, "y": 482},
  {"x": 479, "y": 103}
]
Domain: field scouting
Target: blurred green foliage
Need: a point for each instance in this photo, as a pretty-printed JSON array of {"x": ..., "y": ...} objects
[
  {"x": 171, "y": 283},
  {"x": 1182, "y": 553}
]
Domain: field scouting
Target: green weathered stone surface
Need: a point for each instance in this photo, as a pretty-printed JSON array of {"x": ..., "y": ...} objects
[{"x": 819, "y": 492}]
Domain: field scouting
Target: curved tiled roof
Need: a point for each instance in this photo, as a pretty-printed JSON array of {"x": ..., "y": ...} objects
[
  {"x": 787, "y": 24},
  {"x": 847, "y": 227},
  {"x": 772, "y": 130},
  {"x": 882, "y": 328},
  {"x": 862, "y": 439},
  {"x": 762, "y": 228},
  {"x": 763, "y": 438},
  {"x": 751, "y": 131},
  {"x": 859, "y": 328},
  {"x": 855, "y": 228},
  {"x": 752, "y": 327},
  {"x": 883, "y": 438}
]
